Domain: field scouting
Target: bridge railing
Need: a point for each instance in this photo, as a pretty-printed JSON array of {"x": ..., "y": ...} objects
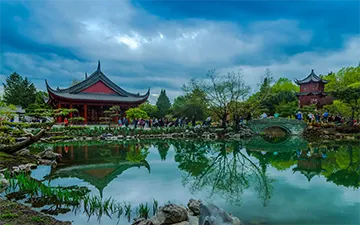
[{"x": 276, "y": 120}]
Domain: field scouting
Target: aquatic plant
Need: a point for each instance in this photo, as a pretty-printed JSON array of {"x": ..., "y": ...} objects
[
  {"x": 155, "y": 206},
  {"x": 61, "y": 199},
  {"x": 143, "y": 211},
  {"x": 128, "y": 210}
]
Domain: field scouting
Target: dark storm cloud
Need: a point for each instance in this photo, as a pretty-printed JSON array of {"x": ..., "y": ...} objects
[{"x": 163, "y": 44}]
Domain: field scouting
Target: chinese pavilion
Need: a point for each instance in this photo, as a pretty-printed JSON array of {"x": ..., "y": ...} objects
[
  {"x": 92, "y": 96},
  {"x": 97, "y": 166},
  {"x": 309, "y": 165},
  {"x": 312, "y": 91}
]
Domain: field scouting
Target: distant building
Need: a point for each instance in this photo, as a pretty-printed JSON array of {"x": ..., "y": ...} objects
[
  {"x": 92, "y": 96},
  {"x": 16, "y": 114},
  {"x": 312, "y": 91}
]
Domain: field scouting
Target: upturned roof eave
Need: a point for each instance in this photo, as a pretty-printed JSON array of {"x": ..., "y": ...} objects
[
  {"x": 96, "y": 76},
  {"x": 313, "y": 93},
  {"x": 58, "y": 95},
  {"x": 312, "y": 77}
]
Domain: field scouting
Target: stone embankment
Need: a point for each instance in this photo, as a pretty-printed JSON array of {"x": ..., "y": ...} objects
[
  {"x": 196, "y": 213},
  {"x": 186, "y": 134},
  {"x": 318, "y": 133},
  {"x": 47, "y": 157}
]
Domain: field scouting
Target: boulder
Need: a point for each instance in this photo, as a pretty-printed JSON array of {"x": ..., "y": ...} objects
[
  {"x": 193, "y": 220},
  {"x": 3, "y": 182},
  {"x": 142, "y": 221},
  {"x": 24, "y": 168},
  {"x": 47, "y": 162},
  {"x": 23, "y": 152},
  {"x": 49, "y": 154},
  {"x": 182, "y": 223},
  {"x": 194, "y": 206},
  {"x": 170, "y": 214},
  {"x": 213, "y": 215}
]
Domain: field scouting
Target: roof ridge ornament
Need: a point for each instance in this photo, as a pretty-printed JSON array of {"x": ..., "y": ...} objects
[
  {"x": 86, "y": 75},
  {"x": 98, "y": 68}
]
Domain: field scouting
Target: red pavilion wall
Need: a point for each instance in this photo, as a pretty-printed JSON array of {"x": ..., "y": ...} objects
[
  {"x": 315, "y": 99},
  {"x": 312, "y": 87},
  {"x": 99, "y": 87}
]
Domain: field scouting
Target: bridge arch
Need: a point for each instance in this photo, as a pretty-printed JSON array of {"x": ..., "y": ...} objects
[
  {"x": 291, "y": 126},
  {"x": 284, "y": 128}
]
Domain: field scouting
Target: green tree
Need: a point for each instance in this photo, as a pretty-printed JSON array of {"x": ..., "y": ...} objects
[
  {"x": 284, "y": 84},
  {"x": 339, "y": 107},
  {"x": 350, "y": 96},
  {"x": 110, "y": 115},
  {"x": 151, "y": 110},
  {"x": 19, "y": 91},
  {"x": 254, "y": 102},
  {"x": 7, "y": 143},
  {"x": 163, "y": 104},
  {"x": 39, "y": 102},
  {"x": 192, "y": 104},
  {"x": 136, "y": 113},
  {"x": 286, "y": 109},
  {"x": 275, "y": 99},
  {"x": 6, "y": 112}
]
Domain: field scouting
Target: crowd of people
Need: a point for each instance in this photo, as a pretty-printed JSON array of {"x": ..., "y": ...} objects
[
  {"x": 162, "y": 122},
  {"x": 317, "y": 117}
]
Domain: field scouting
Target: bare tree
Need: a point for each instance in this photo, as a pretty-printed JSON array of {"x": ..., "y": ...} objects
[{"x": 221, "y": 90}]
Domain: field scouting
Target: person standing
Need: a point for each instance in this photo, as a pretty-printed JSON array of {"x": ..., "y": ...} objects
[{"x": 299, "y": 115}]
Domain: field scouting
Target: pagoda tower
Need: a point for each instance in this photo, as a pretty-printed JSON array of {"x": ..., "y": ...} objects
[{"x": 312, "y": 91}]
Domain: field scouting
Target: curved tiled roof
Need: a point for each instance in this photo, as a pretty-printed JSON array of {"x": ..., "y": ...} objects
[
  {"x": 75, "y": 92},
  {"x": 312, "y": 77},
  {"x": 311, "y": 93}
]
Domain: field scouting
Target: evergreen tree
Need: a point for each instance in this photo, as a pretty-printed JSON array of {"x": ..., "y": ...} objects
[
  {"x": 163, "y": 104},
  {"x": 19, "y": 91}
]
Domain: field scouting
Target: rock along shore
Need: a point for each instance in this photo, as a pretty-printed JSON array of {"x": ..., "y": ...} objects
[{"x": 196, "y": 213}]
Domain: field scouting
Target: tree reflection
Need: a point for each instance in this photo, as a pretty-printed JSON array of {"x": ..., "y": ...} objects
[
  {"x": 163, "y": 148},
  {"x": 228, "y": 173},
  {"x": 137, "y": 152},
  {"x": 347, "y": 175}
]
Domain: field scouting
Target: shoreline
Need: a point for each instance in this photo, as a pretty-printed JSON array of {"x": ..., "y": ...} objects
[{"x": 16, "y": 213}]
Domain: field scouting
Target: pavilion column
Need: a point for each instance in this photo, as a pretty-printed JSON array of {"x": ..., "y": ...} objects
[
  {"x": 71, "y": 152},
  {"x": 59, "y": 149},
  {"x": 70, "y": 115},
  {"x": 59, "y": 117},
  {"x": 86, "y": 152},
  {"x": 117, "y": 150},
  {"x": 85, "y": 114}
]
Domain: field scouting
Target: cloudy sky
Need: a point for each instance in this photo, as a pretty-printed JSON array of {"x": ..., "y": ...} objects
[{"x": 162, "y": 44}]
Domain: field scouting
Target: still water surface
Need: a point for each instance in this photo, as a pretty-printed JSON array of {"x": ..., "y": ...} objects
[{"x": 260, "y": 182}]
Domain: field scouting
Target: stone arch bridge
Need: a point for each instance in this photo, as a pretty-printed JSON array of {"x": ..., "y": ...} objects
[{"x": 291, "y": 126}]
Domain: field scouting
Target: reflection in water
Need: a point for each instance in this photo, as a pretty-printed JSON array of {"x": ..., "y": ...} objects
[
  {"x": 102, "y": 165},
  {"x": 229, "y": 172},
  {"x": 275, "y": 135},
  {"x": 226, "y": 169}
]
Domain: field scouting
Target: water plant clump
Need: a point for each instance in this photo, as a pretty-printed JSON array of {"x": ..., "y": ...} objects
[{"x": 61, "y": 200}]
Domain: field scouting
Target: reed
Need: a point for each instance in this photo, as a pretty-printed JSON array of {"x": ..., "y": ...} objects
[
  {"x": 143, "y": 211},
  {"x": 23, "y": 186}
]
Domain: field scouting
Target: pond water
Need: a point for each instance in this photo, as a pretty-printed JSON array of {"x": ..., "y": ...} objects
[{"x": 292, "y": 182}]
